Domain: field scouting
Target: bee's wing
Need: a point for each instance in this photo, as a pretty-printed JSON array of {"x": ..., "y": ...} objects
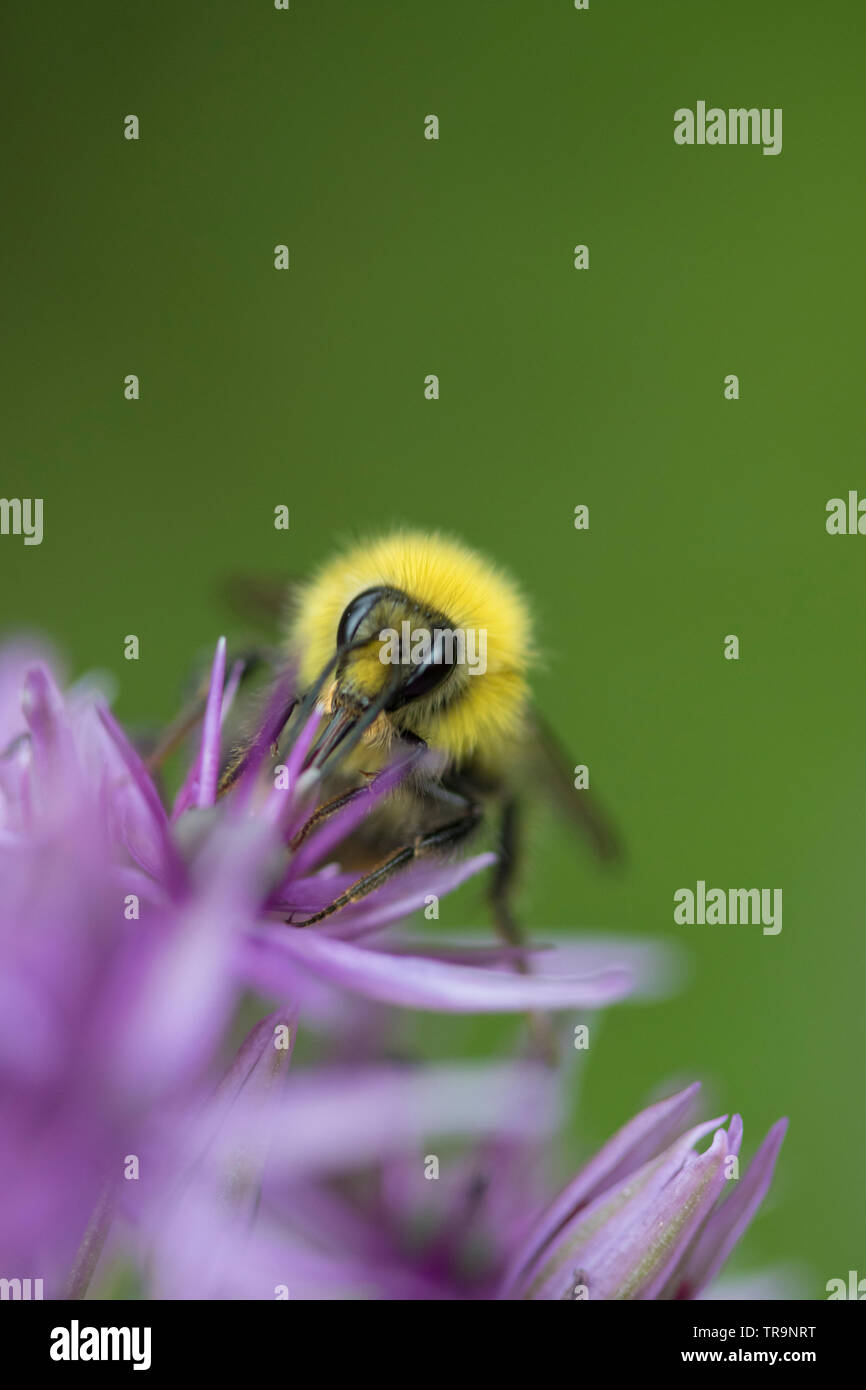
[
  {"x": 553, "y": 767},
  {"x": 262, "y": 600}
]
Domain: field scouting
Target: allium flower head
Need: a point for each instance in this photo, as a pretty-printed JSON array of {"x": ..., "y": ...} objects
[
  {"x": 130, "y": 931},
  {"x": 63, "y": 754},
  {"x": 353, "y": 1201}
]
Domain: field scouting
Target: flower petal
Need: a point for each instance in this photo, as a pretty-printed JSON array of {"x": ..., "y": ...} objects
[
  {"x": 408, "y": 892},
  {"x": 642, "y": 1139},
  {"x": 199, "y": 785},
  {"x": 342, "y": 1119},
  {"x": 730, "y": 1219},
  {"x": 270, "y": 955},
  {"x": 168, "y": 868},
  {"x": 185, "y": 988},
  {"x": 625, "y": 1244},
  {"x": 335, "y": 830},
  {"x": 16, "y": 659}
]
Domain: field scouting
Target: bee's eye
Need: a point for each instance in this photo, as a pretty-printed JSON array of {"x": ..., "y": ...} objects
[
  {"x": 355, "y": 613},
  {"x": 424, "y": 676}
]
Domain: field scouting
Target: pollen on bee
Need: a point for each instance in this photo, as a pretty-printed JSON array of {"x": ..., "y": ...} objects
[
  {"x": 380, "y": 733},
  {"x": 327, "y": 700}
]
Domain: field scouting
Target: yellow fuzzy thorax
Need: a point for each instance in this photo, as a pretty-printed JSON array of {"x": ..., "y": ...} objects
[{"x": 446, "y": 577}]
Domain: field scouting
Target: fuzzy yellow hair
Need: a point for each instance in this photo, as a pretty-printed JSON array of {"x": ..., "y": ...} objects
[{"x": 448, "y": 578}]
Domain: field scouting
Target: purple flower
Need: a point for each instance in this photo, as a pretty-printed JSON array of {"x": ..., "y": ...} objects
[
  {"x": 129, "y": 934},
  {"x": 58, "y": 748},
  {"x": 265, "y": 1210},
  {"x": 646, "y": 1219},
  {"x": 114, "y": 994},
  {"x": 361, "y": 1192}
]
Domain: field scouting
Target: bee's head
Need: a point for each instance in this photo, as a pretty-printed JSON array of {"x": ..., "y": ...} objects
[
  {"x": 393, "y": 658},
  {"x": 419, "y": 638},
  {"x": 392, "y": 647}
]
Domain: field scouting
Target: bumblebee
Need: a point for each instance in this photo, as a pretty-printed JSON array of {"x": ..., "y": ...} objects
[{"x": 415, "y": 645}]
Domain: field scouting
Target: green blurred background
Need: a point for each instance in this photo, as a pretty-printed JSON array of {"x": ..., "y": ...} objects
[{"x": 558, "y": 387}]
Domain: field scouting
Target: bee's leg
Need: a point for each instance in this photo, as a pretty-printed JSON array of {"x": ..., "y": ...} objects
[
  {"x": 336, "y": 803},
  {"x": 446, "y": 837},
  {"x": 324, "y": 812},
  {"x": 193, "y": 711},
  {"x": 502, "y": 884},
  {"x": 183, "y": 724},
  {"x": 501, "y": 894},
  {"x": 240, "y": 757}
]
